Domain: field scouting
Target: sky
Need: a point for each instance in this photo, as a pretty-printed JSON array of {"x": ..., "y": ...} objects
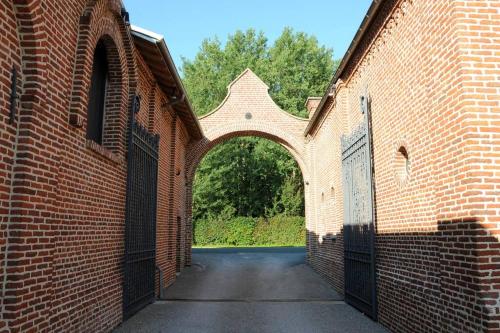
[{"x": 186, "y": 23}]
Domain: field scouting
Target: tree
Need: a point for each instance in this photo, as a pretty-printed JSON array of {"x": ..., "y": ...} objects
[
  {"x": 244, "y": 174},
  {"x": 252, "y": 176},
  {"x": 207, "y": 77},
  {"x": 297, "y": 68}
]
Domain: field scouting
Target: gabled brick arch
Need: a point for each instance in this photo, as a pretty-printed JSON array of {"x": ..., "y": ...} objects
[{"x": 247, "y": 110}]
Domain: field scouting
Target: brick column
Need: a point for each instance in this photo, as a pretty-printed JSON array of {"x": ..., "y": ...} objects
[
  {"x": 189, "y": 223},
  {"x": 172, "y": 221}
]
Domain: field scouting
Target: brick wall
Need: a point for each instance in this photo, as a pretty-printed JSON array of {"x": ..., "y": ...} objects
[
  {"x": 325, "y": 245},
  {"x": 63, "y": 197},
  {"x": 179, "y": 195},
  {"x": 478, "y": 25},
  {"x": 90, "y": 226},
  {"x": 165, "y": 225},
  {"x": 159, "y": 119},
  {"x": 10, "y": 57},
  {"x": 429, "y": 68}
]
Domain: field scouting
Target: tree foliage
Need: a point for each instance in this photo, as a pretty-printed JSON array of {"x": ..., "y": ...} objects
[
  {"x": 254, "y": 177},
  {"x": 248, "y": 177},
  {"x": 294, "y": 67}
]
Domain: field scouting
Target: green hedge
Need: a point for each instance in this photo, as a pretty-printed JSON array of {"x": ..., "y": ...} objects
[{"x": 279, "y": 230}]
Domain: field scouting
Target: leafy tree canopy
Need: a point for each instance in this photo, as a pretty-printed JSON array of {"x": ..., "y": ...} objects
[
  {"x": 253, "y": 176},
  {"x": 294, "y": 67}
]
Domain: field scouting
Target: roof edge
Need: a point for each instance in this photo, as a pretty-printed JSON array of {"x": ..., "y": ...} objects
[
  {"x": 161, "y": 45},
  {"x": 170, "y": 63},
  {"x": 367, "y": 20}
]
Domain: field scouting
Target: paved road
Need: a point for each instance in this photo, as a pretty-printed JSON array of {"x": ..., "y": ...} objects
[{"x": 250, "y": 290}]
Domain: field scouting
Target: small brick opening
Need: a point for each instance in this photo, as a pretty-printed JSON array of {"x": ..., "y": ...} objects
[{"x": 402, "y": 164}]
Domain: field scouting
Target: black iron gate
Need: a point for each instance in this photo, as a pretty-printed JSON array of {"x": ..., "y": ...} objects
[
  {"x": 140, "y": 218},
  {"x": 359, "y": 233}
]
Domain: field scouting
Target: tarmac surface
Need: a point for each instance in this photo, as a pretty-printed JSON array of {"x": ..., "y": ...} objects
[{"x": 250, "y": 290}]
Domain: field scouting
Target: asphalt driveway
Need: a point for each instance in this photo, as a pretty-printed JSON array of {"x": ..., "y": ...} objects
[{"x": 250, "y": 290}]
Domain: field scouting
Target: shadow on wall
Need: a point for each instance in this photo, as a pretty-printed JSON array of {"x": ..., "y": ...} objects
[{"x": 444, "y": 280}]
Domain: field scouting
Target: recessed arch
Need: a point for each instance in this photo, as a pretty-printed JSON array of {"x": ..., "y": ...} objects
[{"x": 102, "y": 20}]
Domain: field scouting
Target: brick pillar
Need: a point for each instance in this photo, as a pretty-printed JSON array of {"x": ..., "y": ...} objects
[
  {"x": 189, "y": 223},
  {"x": 32, "y": 214},
  {"x": 172, "y": 219},
  {"x": 30, "y": 251}
]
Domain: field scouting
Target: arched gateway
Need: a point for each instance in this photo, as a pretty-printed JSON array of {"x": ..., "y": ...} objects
[{"x": 247, "y": 110}]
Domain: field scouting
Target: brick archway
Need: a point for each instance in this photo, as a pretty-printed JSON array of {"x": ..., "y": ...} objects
[{"x": 247, "y": 110}]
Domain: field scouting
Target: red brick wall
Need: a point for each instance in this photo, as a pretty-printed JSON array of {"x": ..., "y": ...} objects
[
  {"x": 67, "y": 203},
  {"x": 165, "y": 244},
  {"x": 429, "y": 68},
  {"x": 159, "y": 119},
  {"x": 179, "y": 195},
  {"x": 325, "y": 254},
  {"x": 91, "y": 179},
  {"x": 10, "y": 56},
  {"x": 478, "y": 25},
  {"x": 26, "y": 279}
]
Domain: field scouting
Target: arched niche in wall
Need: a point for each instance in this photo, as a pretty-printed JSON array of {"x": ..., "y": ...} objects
[{"x": 102, "y": 23}]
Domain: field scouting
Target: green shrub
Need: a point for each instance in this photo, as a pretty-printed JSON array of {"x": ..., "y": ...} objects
[
  {"x": 279, "y": 230},
  {"x": 239, "y": 231}
]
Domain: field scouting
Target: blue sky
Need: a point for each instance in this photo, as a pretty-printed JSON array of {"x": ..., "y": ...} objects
[{"x": 185, "y": 23}]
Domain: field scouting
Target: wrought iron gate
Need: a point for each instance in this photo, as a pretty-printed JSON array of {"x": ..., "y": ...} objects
[
  {"x": 359, "y": 234},
  {"x": 140, "y": 219}
]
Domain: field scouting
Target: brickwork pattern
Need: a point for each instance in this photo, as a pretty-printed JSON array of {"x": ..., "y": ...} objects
[
  {"x": 431, "y": 69},
  {"x": 437, "y": 230},
  {"x": 10, "y": 57},
  {"x": 63, "y": 197}
]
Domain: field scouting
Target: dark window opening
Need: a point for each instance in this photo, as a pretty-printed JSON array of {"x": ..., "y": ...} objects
[{"x": 97, "y": 94}]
